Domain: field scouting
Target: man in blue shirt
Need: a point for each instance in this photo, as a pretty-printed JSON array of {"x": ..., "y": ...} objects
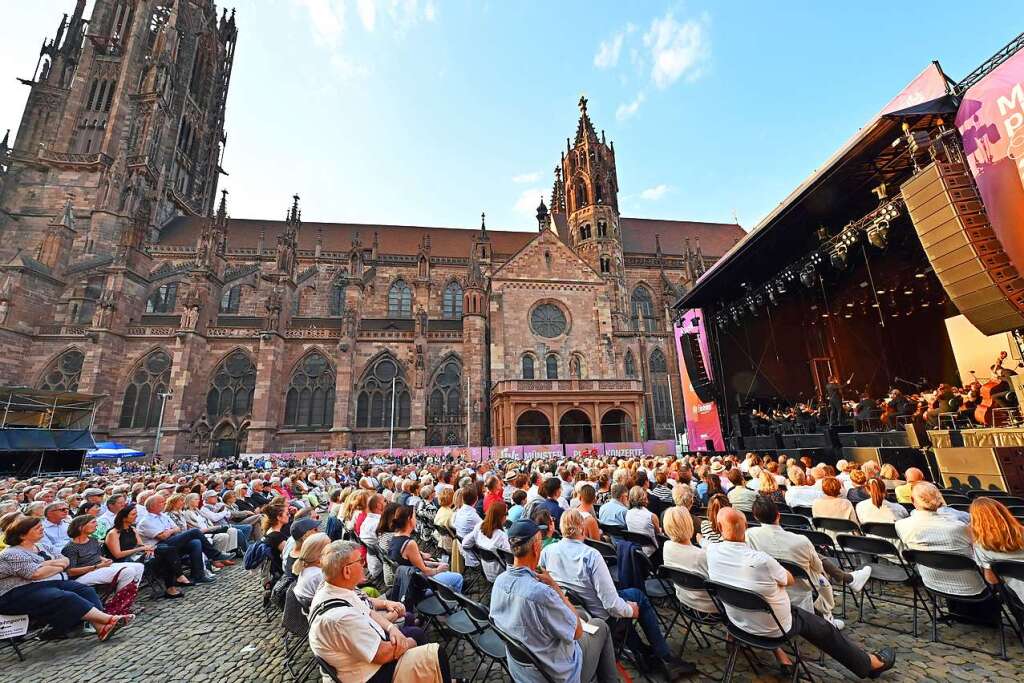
[
  {"x": 551, "y": 489},
  {"x": 527, "y": 604},
  {"x": 581, "y": 569},
  {"x": 614, "y": 510}
]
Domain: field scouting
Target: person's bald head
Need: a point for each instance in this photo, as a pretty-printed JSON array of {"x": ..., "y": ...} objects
[
  {"x": 914, "y": 475},
  {"x": 732, "y": 523}
]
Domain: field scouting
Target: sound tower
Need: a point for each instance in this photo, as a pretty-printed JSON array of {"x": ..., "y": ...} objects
[
  {"x": 962, "y": 248},
  {"x": 695, "y": 369}
]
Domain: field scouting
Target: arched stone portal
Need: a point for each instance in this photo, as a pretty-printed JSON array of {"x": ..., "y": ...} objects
[
  {"x": 575, "y": 427},
  {"x": 616, "y": 426},
  {"x": 533, "y": 427}
]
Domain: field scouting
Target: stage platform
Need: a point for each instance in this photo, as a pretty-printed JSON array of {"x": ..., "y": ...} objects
[{"x": 977, "y": 438}]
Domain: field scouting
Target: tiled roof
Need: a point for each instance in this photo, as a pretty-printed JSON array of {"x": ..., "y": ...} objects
[{"x": 638, "y": 236}]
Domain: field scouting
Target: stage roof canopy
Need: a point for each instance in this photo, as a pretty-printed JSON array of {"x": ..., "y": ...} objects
[{"x": 835, "y": 194}]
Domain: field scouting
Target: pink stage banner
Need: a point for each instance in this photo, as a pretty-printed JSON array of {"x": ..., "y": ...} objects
[
  {"x": 505, "y": 452},
  {"x": 702, "y": 421},
  {"x": 624, "y": 449},
  {"x": 991, "y": 122},
  {"x": 928, "y": 85},
  {"x": 578, "y": 451},
  {"x": 660, "y": 449},
  {"x": 548, "y": 450}
]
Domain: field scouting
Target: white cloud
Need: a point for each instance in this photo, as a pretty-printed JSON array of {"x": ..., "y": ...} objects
[
  {"x": 609, "y": 50},
  {"x": 655, "y": 193},
  {"x": 531, "y": 177},
  {"x": 528, "y": 201},
  {"x": 348, "y": 69},
  {"x": 327, "y": 20},
  {"x": 678, "y": 48},
  {"x": 626, "y": 111},
  {"x": 367, "y": 10}
]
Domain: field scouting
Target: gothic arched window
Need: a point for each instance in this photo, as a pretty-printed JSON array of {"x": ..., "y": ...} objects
[
  {"x": 602, "y": 228},
  {"x": 309, "y": 401},
  {"x": 373, "y": 405},
  {"x": 606, "y": 264},
  {"x": 528, "y": 372},
  {"x": 643, "y": 309},
  {"x": 630, "y": 365},
  {"x": 162, "y": 300},
  {"x": 230, "y": 299},
  {"x": 64, "y": 372},
  {"x": 232, "y": 388},
  {"x": 400, "y": 300},
  {"x": 451, "y": 304},
  {"x": 585, "y": 232},
  {"x": 337, "y": 303},
  {"x": 659, "y": 388},
  {"x": 446, "y": 405},
  {"x": 142, "y": 402},
  {"x": 551, "y": 365}
]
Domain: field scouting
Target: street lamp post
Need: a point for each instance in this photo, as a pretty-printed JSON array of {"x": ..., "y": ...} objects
[{"x": 164, "y": 395}]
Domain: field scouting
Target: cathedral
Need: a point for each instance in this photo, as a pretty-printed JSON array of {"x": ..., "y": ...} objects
[{"x": 122, "y": 274}]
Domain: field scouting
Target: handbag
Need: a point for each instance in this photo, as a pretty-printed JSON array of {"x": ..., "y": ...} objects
[{"x": 121, "y": 601}]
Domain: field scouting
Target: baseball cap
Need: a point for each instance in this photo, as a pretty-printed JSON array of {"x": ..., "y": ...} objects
[
  {"x": 523, "y": 531},
  {"x": 302, "y": 527}
]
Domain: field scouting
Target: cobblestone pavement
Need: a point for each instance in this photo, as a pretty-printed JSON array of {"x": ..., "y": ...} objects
[{"x": 219, "y": 633}]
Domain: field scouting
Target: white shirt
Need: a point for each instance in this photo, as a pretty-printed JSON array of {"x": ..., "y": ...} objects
[
  {"x": 108, "y": 517},
  {"x": 802, "y": 496},
  {"x": 737, "y": 564},
  {"x": 641, "y": 521},
  {"x": 925, "y": 530},
  {"x": 889, "y": 513},
  {"x": 307, "y": 583},
  {"x": 56, "y": 534},
  {"x": 151, "y": 524},
  {"x": 693, "y": 559},
  {"x": 464, "y": 521},
  {"x": 478, "y": 539},
  {"x": 346, "y": 637},
  {"x": 985, "y": 558}
]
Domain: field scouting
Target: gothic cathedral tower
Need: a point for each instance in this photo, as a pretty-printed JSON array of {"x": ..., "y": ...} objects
[
  {"x": 586, "y": 191},
  {"x": 125, "y": 120}
]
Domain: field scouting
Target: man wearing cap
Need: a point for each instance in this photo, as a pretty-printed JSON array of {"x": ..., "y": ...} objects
[{"x": 528, "y": 604}]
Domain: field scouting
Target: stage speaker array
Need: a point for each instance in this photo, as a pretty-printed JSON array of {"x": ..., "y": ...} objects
[
  {"x": 963, "y": 250},
  {"x": 695, "y": 368}
]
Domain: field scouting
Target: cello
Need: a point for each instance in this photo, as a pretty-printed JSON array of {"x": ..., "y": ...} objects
[{"x": 991, "y": 393}]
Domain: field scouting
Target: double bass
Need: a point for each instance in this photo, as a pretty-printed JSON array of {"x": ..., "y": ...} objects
[{"x": 992, "y": 392}]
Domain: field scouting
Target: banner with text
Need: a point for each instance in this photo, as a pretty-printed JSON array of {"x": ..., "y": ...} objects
[{"x": 991, "y": 122}]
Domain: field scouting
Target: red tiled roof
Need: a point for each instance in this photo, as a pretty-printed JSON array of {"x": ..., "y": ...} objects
[{"x": 638, "y": 236}]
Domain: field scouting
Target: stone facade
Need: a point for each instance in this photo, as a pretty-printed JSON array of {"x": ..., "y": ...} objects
[{"x": 124, "y": 275}]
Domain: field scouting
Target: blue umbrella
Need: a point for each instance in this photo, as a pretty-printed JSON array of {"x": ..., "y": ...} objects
[{"x": 112, "y": 449}]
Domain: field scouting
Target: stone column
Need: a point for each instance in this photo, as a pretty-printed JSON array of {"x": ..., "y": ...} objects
[{"x": 267, "y": 400}]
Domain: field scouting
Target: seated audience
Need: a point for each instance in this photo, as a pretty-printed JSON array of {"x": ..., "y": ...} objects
[
  {"x": 300, "y": 530},
  {"x": 443, "y": 517},
  {"x": 580, "y": 569},
  {"x": 740, "y": 497},
  {"x": 640, "y": 520},
  {"x": 223, "y": 537},
  {"x": 216, "y": 513},
  {"x": 876, "y": 508},
  {"x": 586, "y": 495},
  {"x": 358, "y": 641},
  {"x": 528, "y": 604},
  {"x": 680, "y": 552},
  {"x": 307, "y": 567},
  {"x": 613, "y": 511},
  {"x": 86, "y": 564},
  {"x": 490, "y": 535},
  {"x": 768, "y": 486},
  {"x": 858, "y": 491},
  {"x": 913, "y": 477},
  {"x": 123, "y": 544},
  {"x": 35, "y": 583},
  {"x": 997, "y": 536},
  {"x": 709, "y": 532},
  {"x": 404, "y": 550},
  {"x": 518, "y": 505},
  {"x": 158, "y": 529},
  {"x": 802, "y": 492},
  {"x": 734, "y": 563},
  {"x": 887, "y": 473},
  {"x": 55, "y": 525},
  {"x": 833, "y": 504}
]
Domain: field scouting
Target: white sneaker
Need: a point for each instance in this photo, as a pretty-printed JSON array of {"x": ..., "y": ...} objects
[
  {"x": 860, "y": 579},
  {"x": 838, "y": 623}
]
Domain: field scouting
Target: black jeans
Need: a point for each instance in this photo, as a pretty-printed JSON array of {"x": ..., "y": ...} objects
[{"x": 826, "y": 637}]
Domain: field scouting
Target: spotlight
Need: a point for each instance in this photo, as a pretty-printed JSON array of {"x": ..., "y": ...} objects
[
  {"x": 838, "y": 257},
  {"x": 752, "y": 305},
  {"x": 771, "y": 297},
  {"x": 878, "y": 234},
  {"x": 780, "y": 287},
  {"x": 822, "y": 233},
  {"x": 759, "y": 300},
  {"x": 736, "y": 315},
  {"x": 807, "y": 276}
]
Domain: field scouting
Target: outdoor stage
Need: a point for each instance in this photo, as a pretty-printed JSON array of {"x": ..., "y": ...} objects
[{"x": 896, "y": 265}]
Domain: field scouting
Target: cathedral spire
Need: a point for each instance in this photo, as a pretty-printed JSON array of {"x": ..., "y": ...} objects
[{"x": 585, "y": 129}]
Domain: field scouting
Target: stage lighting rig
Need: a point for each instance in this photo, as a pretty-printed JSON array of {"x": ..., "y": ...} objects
[
  {"x": 771, "y": 296},
  {"x": 878, "y": 233},
  {"x": 808, "y": 276},
  {"x": 838, "y": 256}
]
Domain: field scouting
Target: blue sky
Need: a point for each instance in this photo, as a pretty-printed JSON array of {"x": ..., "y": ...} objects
[{"x": 428, "y": 112}]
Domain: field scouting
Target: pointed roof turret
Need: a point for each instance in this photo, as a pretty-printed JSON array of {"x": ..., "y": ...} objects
[
  {"x": 5, "y": 143},
  {"x": 483, "y": 228},
  {"x": 558, "y": 192},
  {"x": 543, "y": 217},
  {"x": 585, "y": 129}
]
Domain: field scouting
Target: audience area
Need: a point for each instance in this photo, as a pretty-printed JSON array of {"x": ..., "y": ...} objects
[{"x": 640, "y": 569}]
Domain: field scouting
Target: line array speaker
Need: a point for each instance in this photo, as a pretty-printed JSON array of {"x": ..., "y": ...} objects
[{"x": 962, "y": 248}]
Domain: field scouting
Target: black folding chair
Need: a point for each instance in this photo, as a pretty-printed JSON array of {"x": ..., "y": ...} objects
[
  {"x": 880, "y": 529},
  {"x": 612, "y": 530},
  {"x": 740, "y": 599},
  {"x": 487, "y": 644},
  {"x": 1011, "y": 569},
  {"x": 521, "y": 654},
  {"x": 837, "y": 526},
  {"x": 953, "y": 562},
  {"x": 608, "y": 554},
  {"x": 295, "y": 622},
  {"x": 801, "y": 576},
  {"x": 887, "y": 567},
  {"x": 456, "y": 621},
  {"x": 694, "y": 619},
  {"x": 792, "y": 521}
]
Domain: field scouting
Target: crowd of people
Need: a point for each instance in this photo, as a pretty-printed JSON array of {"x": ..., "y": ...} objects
[{"x": 76, "y": 550}]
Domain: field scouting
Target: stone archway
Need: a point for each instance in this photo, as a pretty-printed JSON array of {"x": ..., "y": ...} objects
[
  {"x": 533, "y": 427},
  {"x": 575, "y": 427},
  {"x": 616, "y": 426}
]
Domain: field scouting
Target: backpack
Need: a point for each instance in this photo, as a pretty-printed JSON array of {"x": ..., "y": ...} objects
[
  {"x": 280, "y": 590},
  {"x": 255, "y": 554}
]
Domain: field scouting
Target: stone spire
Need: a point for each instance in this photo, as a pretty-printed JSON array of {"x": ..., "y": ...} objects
[{"x": 585, "y": 129}]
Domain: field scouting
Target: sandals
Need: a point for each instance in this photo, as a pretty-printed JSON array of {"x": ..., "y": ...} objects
[{"x": 117, "y": 622}]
